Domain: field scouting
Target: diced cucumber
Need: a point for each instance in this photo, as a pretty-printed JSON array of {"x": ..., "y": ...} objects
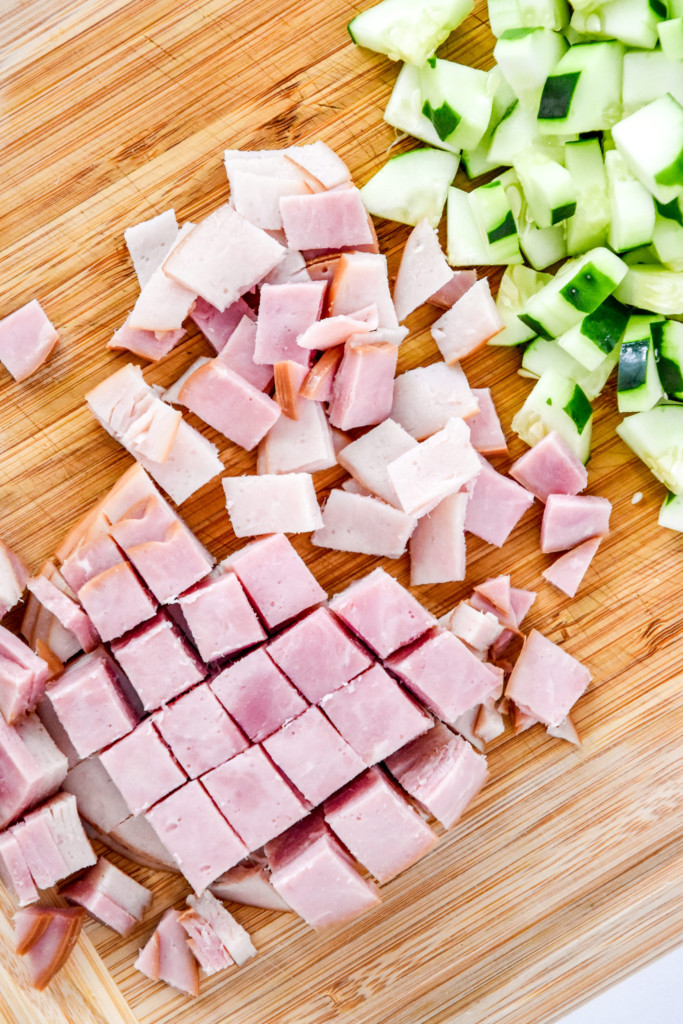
[
  {"x": 517, "y": 284},
  {"x": 583, "y": 92},
  {"x": 556, "y": 403},
  {"x": 541, "y": 355},
  {"x": 672, "y": 210},
  {"x": 457, "y": 100},
  {"x": 548, "y": 188},
  {"x": 667, "y": 338},
  {"x": 404, "y": 110},
  {"x": 516, "y": 132},
  {"x": 476, "y": 161},
  {"x": 465, "y": 244},
  {"x": 648, "y": 76},
  {"x": 651, "y": 287},
  {"x": 671, "y": 37},
  {"x": 492, "y": 212},
  {"x": 411, "y": 187},
  {"x": 512, "y": 14},
  {"x": 667, "y": 243},
  {"x": 671, "y": 512},
  {"x": 632, "y": 22},
  {"x": 578, "y": 288},
  {"x": 638, "y": 384},
  {"x": 526, "y": 56},
  {"x": 588, "y": 227},
  {"x": 656, "y": 437},
  {"x": 408, "y": 30},
  {"x": 541, "y": 246},
  {"x": 631, "y": 207},
  {"x": 651, "y": 143},
  {"x": 597, "y": 334}
]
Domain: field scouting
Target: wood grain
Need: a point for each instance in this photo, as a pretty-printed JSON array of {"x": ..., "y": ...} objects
[{"x": 568, "y": 870}]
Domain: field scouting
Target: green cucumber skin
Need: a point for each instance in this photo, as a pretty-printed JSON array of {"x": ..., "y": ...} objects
[
  {"x": 535, "y": 326},
  {"x": 587, "y": 289},
  {"x": 633, "y": 360},
  {"x": 673, "y": 174},
  {"x": 669, "y": 363},
  {"x": 672, "y": 210},
  {"x": 561, "y": 213},
  {"x": 506, "y": 228},
  {"x": 605, "y": 326},
  {"x": 444, "y": 118},
  {"x": 556, "y": 97},
  {"x": 579, "y": 409}
]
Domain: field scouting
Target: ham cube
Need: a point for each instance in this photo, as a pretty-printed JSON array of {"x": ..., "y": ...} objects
[
  {"x": 363, "y": 385},
  {"x": 326, "y": 220},
  {"x": 495, "y": 505},
  {"x": 367, "y": 458},
  {"x": 423, "y": 270},
  {"x": 470, "y": 322},
  {"x": 272, "y": 504},
  {"x": 285, "y": 311},
  {"x": 149, "y": 242},
  {"x": 234, "y": 938},
  {"x": 163, "y": 304},
  {"x": 546, "y": 681},
  {"x": 254, "y": 797},
  {"x": 378, "y": 826},
  {"x": 222, "y": 257},
  {"x": 14, "y": 871},
  {"x": 437, "y": 545},
  {"x": 444, "y": 674},
  {"x": 219, "y": 617},
  {"x": 249, "y": 884},
  {"x": 568, "y": 570},
  {"x": 158, "y": 661},
  {"x": 152, "y": 345},
  {"x": 335, "y": 330},
  {"x": 276, "y": 579},
  {"x": 319, "y": 383},
  {"x": 53, "y": 842},
  {"x": 203, "y": 943},
  {"x": 257, "y": 196},
  {"x": 318, "y": 654},
  {"x": 116, "y": 601},
  {"x": 426, "y": 398},
  {"x": 437, "y": 467},
  {"x": 477, "y": 629},
  {"x": 229, "y": 403},
  {"x": 167, "y": 956},
  {"x": 13, "y": 577},
  {"x": 142, "y": 768},
  {"x": 570, "y": 519},
  {"x": 313, "y": 756},
  {"x": 320, "y": 161},
  {"x": 23, "y": 676},
  {"x": 69, "y": 614},
  {"x": 31, "y": 766},
  {"x": 111, "y": 896},
  {"x": 352, "y": 522},
  {"x": 382, "y": 612},
  {"x": 441, "y": 771},
  {"x": 550, "y": 467},
  {"x": 258, "y": 695},
  {"x": 374, "y": 715},
  {"x": 486, "y": 433},
  {"x": 238, "y": 355},
  {"x": 26, "y": 339},
  {"x": 360, "y": 279},
  {"x": 300, "y": 445},
  {"x": 199, "y": 731},
  {"x": 218, "y": 326}
]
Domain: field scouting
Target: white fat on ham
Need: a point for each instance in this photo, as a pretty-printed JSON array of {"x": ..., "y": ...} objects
[
  {"x": 437, "y": 467},
  {"x": 163, "y": 304},
  {"x": 367, "y": 458},
  {"x": 468, "y": 324},
  {"x": 232, "y": 935},
  {"x": 361, "y": 279},
  {"x": 352, "y": 522},
  {"x": 319, "y": 160},
  {"x": 567, "y": 571},
  {"x": 270, "y": 503},
  {"x": 150, "y": 242},
  {"x": 437, "y": 546},
  {"x": 428, "y": 396},
  {"x": 422, "y": 272}
]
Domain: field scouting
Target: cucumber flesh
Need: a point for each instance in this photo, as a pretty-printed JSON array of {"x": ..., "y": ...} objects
[
  {"x": 404, "y": 110},
  {"x": 541, "y": 246},
  {"x": 632, "y": 22},
  {"x": 411, "y": 187},
  {"x": 556, "y": 403},
  {"x": 648, "y": 76},
  {"x": 638, "y": 384},
  {"x": 517, "y": 284},
  {"x": 457, "y": 100},
  {"x": 656, "y": 437},
  {"x": 408, "y": 30},
  {"x": 652, "y": 287},
  {"x": 588, "y": 227},
  {"x": 541, "y": 355},
  {"x": 583, "y": 92},
  {"x": 548, "y": 188},
  {"x": 597, "y": 334},
  {"x": 526, "y": 57},
  {"x": 651, "y": 143},
  {"x": 667, "y": 338},
  {"x": 671, "y": 512},
  {"x": 632, "y": 208}
]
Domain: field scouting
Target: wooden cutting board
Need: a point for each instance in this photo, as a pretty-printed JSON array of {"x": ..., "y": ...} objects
[{"x": 568, "y": 870}]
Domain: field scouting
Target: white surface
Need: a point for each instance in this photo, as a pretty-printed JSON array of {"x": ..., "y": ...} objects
[{"x": 653, "y": 995}]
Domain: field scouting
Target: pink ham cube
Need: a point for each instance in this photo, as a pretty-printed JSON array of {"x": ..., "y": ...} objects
[
  {"x": 367, "y": 458},
  {"x": 89, "y": 704},
  {"x": 312, "y": 755},
  {"x": 470, "y": 322},
  {"x": 15, "y": 874},
  {"x": 378, "y": 826},
  {"x": 116, "y": 601},
  {"x": 142, "y": 768},
  {"x": 568, "y": 570},
  {"x": 254, "y": 797},
  {"x": 111, "y": 896},
  {"x": 257, "y": 695},
  {"x": 444, "y": 674},
  {"x": 570, "y": 519},
  {"x": 382, "y": 612},
  {"x": 496, "y": 504},
  {"x": 326, "y": 220},
  {"x": 550, "y": 467},
  {"x": 285, "y": 311},
  {"x": 423, "y": 270},
  {"x": 360, "y": 279},
  {"x": 216, "y": 326},
  {"x": 546, "y": 681},
  {"x": 272, "y": 503},
  {"x": 23, "y": 676},
  {"x": 363, "y": 388},
  {"x": 276, "y": 579},
  {"x": 199, "y": 731},
  {"x": 158, "y": 661},
  {"x": 375, "y": 715},
  {"x": 229, "y": 403},
  {"x": 31, "y": 766},
  {"x": 486, "y": 433},
  {"x": 441, "y": 771},
  {"x": 26, "y": 339},
  {"x": 318, "y": 654},
  {"x": 354, "y": 522},
  {"x": 428, "y": 396},
  {"x": 440, "y": 465},
  {"x": 438, "y": 552},
  {"x": 238, "y": 355},
  {"x": 219, "y": 617}
]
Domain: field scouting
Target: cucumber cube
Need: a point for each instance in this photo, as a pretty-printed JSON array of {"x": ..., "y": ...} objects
[
  {"x": 656, "y": 437},
  {"x": 667, "y": 338},
  {"x": 512, "y": 14},
  {"x": 638, "y": 384},
  {"x": 583, "y": 92},
  {"x": 649, "y": 286},
  {"x": 411, "y": 187},
  {"x": 648, "y": 76},
  {"x": 588, "y": 227},
  {"x": 548, "y": 188},
  {"x": 596, "y": 335},
  {"x": 526, "y": 57},
  {"x": 671, "y": 38},
  {"x": 541, "y": 355},
  {"x": 516, "y": 285},
  {"x": 651, "y": 143},
  {"x": 404, "y": 110},
  {"x": 408, "y": 30},
  {"x": 631, "y": 206},
  {"x": 632, "y": 22},
  {"x": 457, "y": 101},
  {"x": 556, "y": 403}
]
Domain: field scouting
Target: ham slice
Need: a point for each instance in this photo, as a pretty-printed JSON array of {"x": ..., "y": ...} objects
[
  {"x": 367, "y": 458},
  {"x": 203, "y": 942},
  {"x": 167, "y": 956},
  {"x": 272, "y": 504},
  {"x": 45, "y": 937},
  {"x": 152, "y": 345},
  {"x": 546, "y": 681},
  {"x": 570, "y": 519},
  {"x": 319, "y": 160},
  {"x": 363, "y": 385},
  {"x": 163, "y": 304},
  {"x": 238, "y": 355},
  {"x": 26, "y": 339},
  {"x": 291, "y": 268},
  {"x": 550, "y": 467},
  {"x": 110, "y": 895},
  {"x": 486, "y": 432},
  {"x": 13, "y": 577},
  {"x": 326, "y": 220},
  {"x": 360, "y": 279},
  {"x": 495, "y": 506},
  {"x": 66, "y": 610},
  {"x": 428, "y": 396},
  {"x": 477, "y": 629},
  {"x": 15, "y": 874},
  {"x": 437, "y": 467},
  {"x": 335, "y": 330},
  {"x": 149, "y": 242},
  {"x": 217, "y": 325},
  {"x": 423, "y": 270},
  {"x": 257, "y": 196},
  {"x": 52, "y": 841},
  {"x": 468, "y": 324},
  {"x": 249, "y": 884},
  {"x": 460, "y": 282},
  {"x": 31, "y": 766},
  {"x": 303, "y": 444},
  {"x": 232, "y": 936},
  {"x": 568, "y": 570},
  {"x": 319, "y": 383},
  {"x": 352, "y": 522},
  {"x": 23, "y": 676},
  {"x": 285, "y": 312},
  {"x": 437, "y": 545}
]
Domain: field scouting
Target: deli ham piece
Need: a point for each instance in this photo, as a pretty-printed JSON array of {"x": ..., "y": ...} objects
[
  {"x": 291, "y": 268},
  {"x": 428, "y": 396},
  {"x": 142, "y": 768},
  {"x": 437, "y": 467},
  {"x": 352, "y": 522},
  {"x": 437, "y": 545},
  {"x": 23, "y": 676},
  {"x": 163, "y": 304},
  {"x": 314, "y": 874},
  {"x": 303, "y": 444},
  {"x": 318, "y": 654},
  {"x": 222, "y": 257},
  {"x": 375, "y": 715},
  {"x": 363, "y": 384},
  {"x": 460, "y": 282},
  {"x": 45, "y": 937},
  {"x": 546, "y": 681},
  {"x": 110, "y": 895},
  {"x": 319, "y": 160},
  {"x": 335, "y": 330},
  {"x": 378, "y": 826},
  {"x": 116, "y": 601},
  {"x": 31, "y": 766},
  {"x": 203, "y": 943},
  {"x": 497, "y": 591},
  {"x": 568, "y": 570},
  {"x": 289, "y": 377},
  {"x": 360, "y": 279},
  {"x": 199, "y": 731},
  {"x": 477, "y": 629},
  {"x": 486, "y": 432},
  {"x": 276, "y": 579},
  {"x": 257, "y": 196},
  {"x": 14, "y": 871},
  {"x": 257, "y": 695},
  {"x": 441, "y": 771},
  {"x": 367, "y": 458},
  {"x": 234, "y": 938},
  {"x": 158, "y": 661},
  {"x": 136, "y": 839},
  {"x": 13, "y": 577},
  {"x": 217, "y": 325},
  {"x": 152, "y": 345},
  {"x": 149, "y": 242},
  {"x": 470, "y": 322},
  {"x": 423, "y": 270},
  {"x": 254, "y": 797},
  {"x": 550, "y": 467},
  {"x": 319, "y": 383},
  {"x": 196, "y": 834},
  {"x": 313, "y": 756},
  {"x": 495, "y": 506},
  {"x": 99, "y": 801},
  {"x": 382, "y": 612},
  {"x": 326, "y": 220},
  {"x": 219, "y": 617},
  {"x": 238, "y": 355},
  {"x": 26, "y": 339},
  {"x": 250, "y": 884},
  {"x": 167, "y": 956},
  {"x": 272, "y": 503},
  {"x": 285, "y": 311},
  {"x": 67, "y": 611},
  {"x": 570, "y": 519},
  {"x": 53, "y": 842}
]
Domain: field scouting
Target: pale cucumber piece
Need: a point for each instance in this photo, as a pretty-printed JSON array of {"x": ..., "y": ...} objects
[
  {"x": 647, "y": 76},
  {"x": 548, "y": 188},
  {"x": 516, "y": 132},
  {"x": 667, "y": 243},
  {"x": 556, "y": 403},
  {"x": 671, "y": 512},
  {"x": 541, "y": 246},
  {"x": 526, "y": 57},
  {"x": 632, "y": 22},
  {"x": 651, "y": 143},
  {"x": 476, "y": 161},
  {"x": 411, "y": 187},
  {"x": 638, "y": 385},
  {"x": 404, "y": 110},
  {"x": 491, "y": 210},
  {"x": 465, "y": 244},
  {"x": 631, "y": 206},
  {"x": 541, "y": 355},
  {"x": 656, "y": 437},
  {"x": 651, "y": 287},
  {"x": 517, "y": 284},
  {"x": 457, "y": 100},
  {"x": 670, "y": 34},
  {"x": 408, "y": 30},
  {"x": 512, "y": 14},
  {"x": 583, "y": 92},
  {"x": 588, "y": 227}
]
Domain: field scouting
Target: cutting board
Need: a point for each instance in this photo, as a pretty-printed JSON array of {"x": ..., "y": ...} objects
[{"x": 567, "y": 871}]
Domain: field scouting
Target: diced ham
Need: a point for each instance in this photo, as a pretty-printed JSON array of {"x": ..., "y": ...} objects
[
  {"x": 149, "y": 242},
  {"x": 237, "y": 354},
  {"x": 546, "y": 681},
  {"x": 257, "y": 196},
  {"x": 460, "y": 282},
  {"x": 360, "y": 280},
  {"x": 110, "y": 895},
  {"x": 352, "y": 522},
  {"x": 363, "y": 385},
  {"x": 569, "y": 519},
  {"x": 335, "y": 330},
  {"x": 14, "y": 871},
  {"x": 219, "y": 617},
  {"x": 204, "y": 944},
  {"x": 222, "y": 257},
  {"x": 486, "y": 432},
  {"x": 319, "y": 160},
  {"x": 367, "y": 458},
  {"x": 232, "y": 935},
  {"x": 136, "y": 839},
  {"x": 199, "y": 731},
  {"x": 300, "y": 445},
  {"x": 13, "y": 577},
  {"x": 568, "y": 570},
  {"x": 437, "y": 467},
  {"x": 566, "y": 730},
  {"x": 437, "y": 545},
  {"x": 217, "y": 325},
  {"x": 167, "y": 956},
  {"x": 289, "y": 377},
  {"x": 470, "y": 322},
  {"x": 26, "y": 339},
  {"x": 441, "y": 771},
  {"x": 23, "y": 676},
  {"x": 116, "y": 601},
  {"x": 69, "y": 613},
  {"x": 272, "y": 504},
  {"x": 229, "y": 403},
  {"x": 326, "y": 220},
  {"x": 319, "y": 383},
  {"x": 291, "y": 268},
  {"x": 521, "y": 602},
  {"x": 257, "y": 695},
  {"x": 422, "y": 272},
  {"x": 45, "y": 936},
  {"x": 163, "y": 304},
  {"x": 489, "y": 723},
  {"x": 152, "y": 434},
  {"x": 477, "y": 629},
  {"x": 495, "y": 505},
  {"x": 550, "y": 467},
  {"x": 100, "y": 803},
  {"x": 158, "y": 661},
  {"x": 428, "y": 396},
  {"x": 142, "y": 768},
  {"x": 285, "y": 312},
  {"x": 89, "y": 558},
  {"x": 53, "y": 842},
  {"x": 378, "y": 825},
  {"x": 249, "y": 884},
  {"x": 152, "y": 345},
  {"x": 268, "y": 163}
]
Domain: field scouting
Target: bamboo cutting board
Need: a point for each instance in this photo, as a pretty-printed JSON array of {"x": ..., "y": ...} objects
[{"x": 568, "y": 869}]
